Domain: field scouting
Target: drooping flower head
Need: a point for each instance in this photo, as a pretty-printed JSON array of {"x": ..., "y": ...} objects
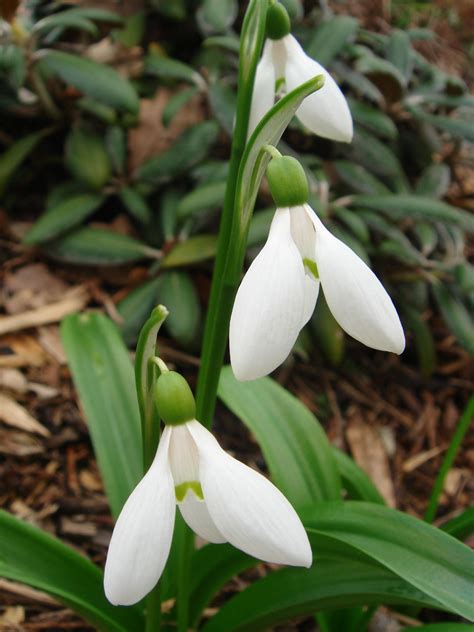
[
  {"x": 279, "y": 292},
  {"x": 285, "y": 65},
  {"x": 220, "y": 498}
]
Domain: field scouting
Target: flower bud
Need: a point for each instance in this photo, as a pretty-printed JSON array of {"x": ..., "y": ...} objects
[
  {"x": 174, "y": 399},
  {"x": 287, "y": 181},
  {"x": 278, "y": 21}
]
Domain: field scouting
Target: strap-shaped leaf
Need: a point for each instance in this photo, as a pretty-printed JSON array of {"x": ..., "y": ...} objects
[
  {"x": 33, "y": 557},
  {"x": 425, "y": 557},
  {"x": 103, "y": 376},
  {"x": 297, "y": 452},
  {"x": 329, "y": 583}
]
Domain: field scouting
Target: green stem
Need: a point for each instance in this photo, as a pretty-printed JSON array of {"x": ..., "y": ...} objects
[
  {"x": 223, "y": 290},
  {"x": 153, "y": 610},
  {"x": 222, "y": 294},
  {"x": 451, "y": 453}
]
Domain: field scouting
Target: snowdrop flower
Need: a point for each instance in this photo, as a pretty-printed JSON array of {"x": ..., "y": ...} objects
[
  {"x": 283, "y": 61},
  {"x": 278, "y": 294},
  {"x": 220, "y": 498}
]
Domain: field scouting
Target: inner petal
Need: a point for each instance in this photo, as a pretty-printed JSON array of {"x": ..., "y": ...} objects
[
  {"x": 304, "y": 236},
  {"x": 184, "y": 463}
]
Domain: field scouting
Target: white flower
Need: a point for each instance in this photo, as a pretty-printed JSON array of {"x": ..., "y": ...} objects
[
  {"x": 278, "y": 294},
  {"x": 324, "y": 113},
  {"x": 220, "y": 498}
]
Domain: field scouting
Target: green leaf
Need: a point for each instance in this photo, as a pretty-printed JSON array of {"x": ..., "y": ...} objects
[
  {"x": 57, "y": 219},
  {"x": 95, "y": 80},
  {"x": 168, "y": 68},
  {"x": 178, "y": 293},
  {"x": 212, "y": 567},
  {"x": 86, "y": 158},
  {"x": 330, "y": 37},
  {"x": 454, "y": 126},
  {"x": 442, "y": 627},
  {"x": 397, "y": 243},
  {"x": 96, "y": 246},
  {"x": 216, "y": 16},
  {"x": 456, "y": 315},
  {"x": 358, "y": 178},
  {"x": 203, "y": 198},
  {"x": 373, "y": 119},
  {"x": 373, "y": 154},
  {"x": 260, "y": 227},
  {"x": 384, "y": 74},
  {"x": 193, "y": 250},
  {"x": 399, "y": 52},
  {"x": 355, "y": 481},
  {"x": 398, "y": 207},
  {"x": 461, "y": 526},
  {"x": 223, "y": 101},
  {"x": 327, "y": 332},
  {"x": 12, "y": 158},
  {"x": 293, "y": 592},
  {"x": 31, "y": 556},
  {"x": 176, "y": 103},
  {"x": 92, "y": 13},
  {"x": 64, "y": 20},
  {"x": 190, "y": 148},
  {"x": 116, "y": 146},
  {"x": 448, "y": 460},
  {"x": 354, "y": 222},
  {"x": 103, "y": 376},
  {"x": 295, "y": 447},
  {"x": 135, "y": 309},
  {"x": 434, "y": 181},
  {"x": 424, "y": 343},
  {"x": 135, "y": 204},
  {"x": 425, "y": 557}
]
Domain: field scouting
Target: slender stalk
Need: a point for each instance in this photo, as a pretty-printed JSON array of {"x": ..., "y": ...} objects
[
  {"x": 450, "y": 455},
  {"x": 223, "y": 291},
  {"x": 153, "y": 610}
]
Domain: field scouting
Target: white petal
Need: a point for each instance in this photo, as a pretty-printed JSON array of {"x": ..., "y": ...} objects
[
  {"x": 196, "y": 515},
  {"x": 268, "y": 309},
  {"x": 355, "y": 296},
  {"x": 247, "y": 509},
  {"x": 142, "y": 536},
  {"x": 311, "y": 291},
  {"x": 304, "y": 236},
  {"x": 326, "y": 112},
  {"x": 263, "y": 96},
  {"x": 183, "y": 456}
]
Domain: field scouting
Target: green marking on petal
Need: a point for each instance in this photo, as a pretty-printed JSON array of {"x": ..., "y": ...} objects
[
  {"x": 279, "y": 84},
  {"x": 311, "y": 267},
  {"x": 182, "y": 489}
]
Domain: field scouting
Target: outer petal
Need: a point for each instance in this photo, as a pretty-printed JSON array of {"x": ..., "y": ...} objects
[
  {"x": 247, "y": 509},
  {"x": 142, "y": 536},
  {"x": 268, "y": 309},
  {"x": 325, "y": 112},
  {"x": 311, "y": 291},
  {"x": 355, "y": 296},
  {"x": 263, "y": 95},
  {"x": 196, "y": 515}
]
